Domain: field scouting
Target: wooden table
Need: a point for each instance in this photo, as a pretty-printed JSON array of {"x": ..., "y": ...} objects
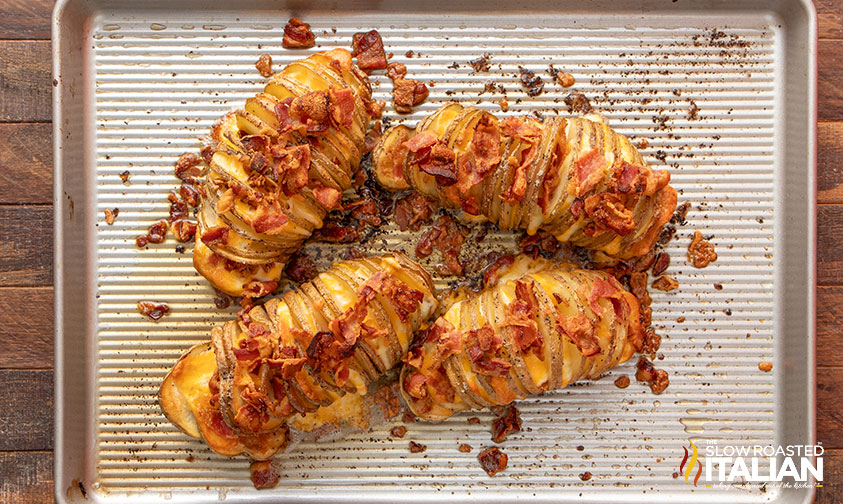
[{"x": 26, "y": 278}]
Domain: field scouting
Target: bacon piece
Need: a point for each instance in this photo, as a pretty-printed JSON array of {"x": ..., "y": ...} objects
[
  {"x": 482, "y": 344},
  {"x": 335, "y": 233},
  {"x": 264, "y": 474},
  {"x": 226, "y": 201},
  {"x": 492, "y": 460},
  {"x": 588, "y": 172},
  {"x": 297, "y": 35},
  {"x": 518, "y": 127},
  {"x": 576, "y": 208},
  {"x": 490, "y": 276},
  {"x": 342, "y": 106},
  {"x": 420, "y": 142},
  {"x": 110, "y": 215},
  {"x": 327, "y": 196},
  {"x": 665, "y": 283},
  {"x": 396, "y": 71},
  {"x": 153, "y": 310},
  {"x": 516, "y": 191},
  {"x": 439, "y": 162},
  {"x": 374, "y": 107},
  {"x": 189, "y": 194},
  {"x": 412, "y": 211},
  {"x": 368, "y": 49},
  {"x": 415, "y": 385},
  {"x": 264, "y": 64},
  {"x": 215, "y": 236},
  {"x": 626, "y": 178},
  {"x": 407, "y": 93},
  {"x": 581, "y": 332},
  {"x": 485, "y": 150},
  {"x": 256, "y": 288},
  {"x": 520, "y": 315},
  {"x": 292, "y": 169},
  {"x": 187, "y": 167},
  {"x": 509, "y": 421},
  {"x": 446, "y": 236},
  {"x": 404, "y": 299},
  {"x": 183, "y": 230},
  {"x": 607, "y": 210}
]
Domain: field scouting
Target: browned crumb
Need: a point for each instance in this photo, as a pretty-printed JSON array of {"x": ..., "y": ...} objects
[
  {"x": 264, "y": 65},
  {"x": 481, "y": 64},
  {"x": 578, "y": 103},
  {"x": 508, "y": 421},
  {"x": 264, "y": 474},
  {"x": 153, "y": 310},
  {"x": 125, "y": 176},
  {"x": 701, "y": 252},
  {"x": 622, "y": 382},
  {"x": 473, "y": 420},
  {"x": 580, "y": 447},
  {"x": 585, "y": 476},
  {"x": 465, "y": 448},
  {"x": 416, "y": 447},
  {"x": 398, "y": 431},
  {"x": 693, "y": 111},
  {"x": 492, "y": 460},
  {"x": 110, "y": 215},
  {"x": 531, "y": 82},
  {"x": 503, "y": 104},
  {"x": 718, "y": 286},
  {"x": 680, "y": 319},
  {"x": 665, "y": 283},
  {"x": 765, "y": 366},
  {"x": 566, "y": 79},
  {"x": 643, "y": 143},
  {"x": 409, "y": 54}
]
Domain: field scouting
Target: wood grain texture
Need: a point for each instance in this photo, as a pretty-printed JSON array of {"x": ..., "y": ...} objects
[
  {"x": 26, "y": 247},
  {"x": 26, "y": 424},
  {"x": 27, "y": 477},
  {"x": 25, "y": 19},
  {"x": 830, "y": 162},
  {"x": 829, "y": 241},
  {"x": 26, "y": 163},
  {"x": 26, "y": 327},
  {"x": 829, "y": 412},
  {"x": 832, "y": 490},
  {"x": 829, "y": 19},
  {"x": 25, "y": 81},
  {"x": 829, "y": 324}
]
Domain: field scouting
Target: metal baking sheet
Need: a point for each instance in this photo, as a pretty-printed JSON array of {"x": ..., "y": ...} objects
[{"x": 137, "y": 84}]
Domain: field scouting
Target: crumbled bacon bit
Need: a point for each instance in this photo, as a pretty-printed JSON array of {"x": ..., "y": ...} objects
[
  {"x": 465, "y": 448},
  {"x": 342, "y": 106},
  {"x": 643, "y": 143},
  {"x": 264, "y": 65},
  {"x": 207, "y": 154},
  {"x": 490, "y": 275},
  {"x": 407, "y": 93},
  {"x": 662, "y": 261},
  {"x": 270, "y": 220},
  {"x": 482, "y": 345},
  {"x": 485, "y": 150},
  {"x": 531, "y": 82},
  {"x": 297, "y": 35},
  {"x": 657, "y": 378},
  {"x": 221, "y": 301},
  {"x": 520, "y": 315},
  {"x": 396, "y": 71},
  {"x": 416, "y": 447},
  {"x": 565, "y": 79},
  {"x": 701, "y": 252},
  {"x": 446, "y": 236},
  {"x": 373, "y": 137},
  {"x": 413, "y": 211},
  {"x": 215, "y": 235},
  {"x": 374, "y": 107},
  {"x": 508, "y": 421},
  {"x": 334, "y": 233},
  {"x": 110, "y": 215},
  {"x": 492, "y": 460},
  {"x": 398, "y": 431},
  {"x": 152, "y": 309},
  {"x": 328, "y": 197},
  {"x": 183, "y": 230},
  {"x": 622, "y": 382},
  {"x": 473, "y": 420},
  {"x": 481, "y": 64},
  {"x": 155, "y": 234},
  {"x": 541, "y": 243},
  {"x": 665, "y": 283},
  {"x": 187, "y": 167},
  {"x": 765, "y": 366},
  {"x": 368, "y": 49},
  {"x": 142, "y": 241},
  {"x": 125, "y": 176},
  {"x": 264, "y": 474},
  {"x": 585, "y": 476},
  {"x": 189, "y": 194},
  {"x": 292, "y": 169},
  {"x": 589, "y": 171},
  {"x": 301, "y": 268},
  {"x": 718, "y": 286},
  {"x": 577, "y": 102},
  {"x": 607, "y": 210},
  {"x": 580, "y": 330}
]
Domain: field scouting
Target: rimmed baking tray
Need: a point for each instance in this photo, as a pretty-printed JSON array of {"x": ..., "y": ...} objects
[{"x": 137, "y": 83}]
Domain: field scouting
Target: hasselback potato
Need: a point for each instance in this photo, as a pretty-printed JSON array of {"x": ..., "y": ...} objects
[
  {"x": 304, "y": 351},
  {"x": 278, "y": 166},
  {"x": 575, "y": 178},
  {"x": 542, "y": 326}
]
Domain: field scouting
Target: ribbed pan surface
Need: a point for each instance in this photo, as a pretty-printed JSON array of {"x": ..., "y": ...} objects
[{"x": 161, "y": 83}]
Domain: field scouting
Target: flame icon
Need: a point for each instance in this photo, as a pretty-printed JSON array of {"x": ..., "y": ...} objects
[{"x": 694, "y": 460}]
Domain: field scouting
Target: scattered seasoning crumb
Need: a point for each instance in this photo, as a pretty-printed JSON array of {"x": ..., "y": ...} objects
[
  {"x": 660, "y": 155},
  {"x": 532, "y": 82},
  {"x": 578, "y": 103},
  {"x": 465, "y": 448},
  {"x": 492, "y": 460},
  {"x": 503, "y": 104},
  {"x": 693, "y": 111},
  {"x": 110, "y": 215},
  {"x": 153, "y": 310},
  {"x": 665, "y": 283},
  {"x": 643, "y": 143},
  {"x": 409, "y": 54},
  {"x": 473, "y": 420},
  {"x": 566, "y": 79},
  {"x": 765, "y": 366},
  {"x": 190, "y": 458},
  {"x": 681, "y": 320},
  {"x": 508, "y": 421},
  {"x": 728, "y": 311},
  {"x": 264, "y": 474},
  {"x": 481, "y": 64},
  {"x": 585, "y": 476},
  {"x": 718, "y": 286},
  {"x": 297, "y": 35},
  {"x": 125, "y": 176},
  {"x": 180, "y": 249},
  {"x": 701, "y": 252},
  {"x": 580, "y": 447},
  {"x": 416, "y": 447},
  {"x": 622, "y": 382},
  {"x": 398, "y": 431},
  {"x": 264, "y": 65}
]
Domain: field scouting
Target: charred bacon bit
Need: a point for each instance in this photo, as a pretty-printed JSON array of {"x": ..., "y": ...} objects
[
  {"x": 301, "y": 268},
  {"x": 374, "y": 107},
  {"x": 187, "y": 167},
  {"x": 333, "y": 232},
  {"x": 541, "y": 243},
  {"x": 413, "y": 211},
  {"x": 492, "y": 460},
  {"x": 482, "y": 345},
  {"x": 264, "y": 474},
  {"x": 531, "y": 82},
  {"x": 407, "y": 93},
  {"x": 297, "y": 35},
  {"x": 207, "y": 154},
  {"x": 110, "y": 215},
  {"x": 465, "y": 448},
  {"x": 264, "y": 65},
  {"x": 607, "y": 210},
  {"x": 404, "y": 300},
  {"x": 446, "y": 236},
  {"x": 183, "y": 230},
  {"x": 438, "y": 161},
  {"x": 215, "y": 236},
  {"x": 221, "y": 301},
  {"x": 178, "y": 208},
  {"x": 417, "y": 447},
  {"x": 152, "y": 309},
  {"x": 124, "y": 176},
  {"x": 307, "y": 113},
  {"x": 622, "y": 382},
  {"x": 481, "y": 64},
  {"x": 490, "y": 276},
  {"x": 577, "y": 103},
  {"x": 657, "y": 378},
  {"x": 398, "y": 431},
  {"x": 509, "y": 421},
  {"x": 665, "y": 283},
  {"x": 662, "y": 261},
  {"x": 368, "y": 49},
  {"x": 701, "y": 252}
]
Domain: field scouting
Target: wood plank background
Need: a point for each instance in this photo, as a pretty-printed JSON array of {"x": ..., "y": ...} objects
[{"x": 26, "y": 292}]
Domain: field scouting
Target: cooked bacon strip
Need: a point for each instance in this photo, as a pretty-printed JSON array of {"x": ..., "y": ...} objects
[
  {"x": 342, "y": 106},
  {"x": 589, "y": 171}
]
